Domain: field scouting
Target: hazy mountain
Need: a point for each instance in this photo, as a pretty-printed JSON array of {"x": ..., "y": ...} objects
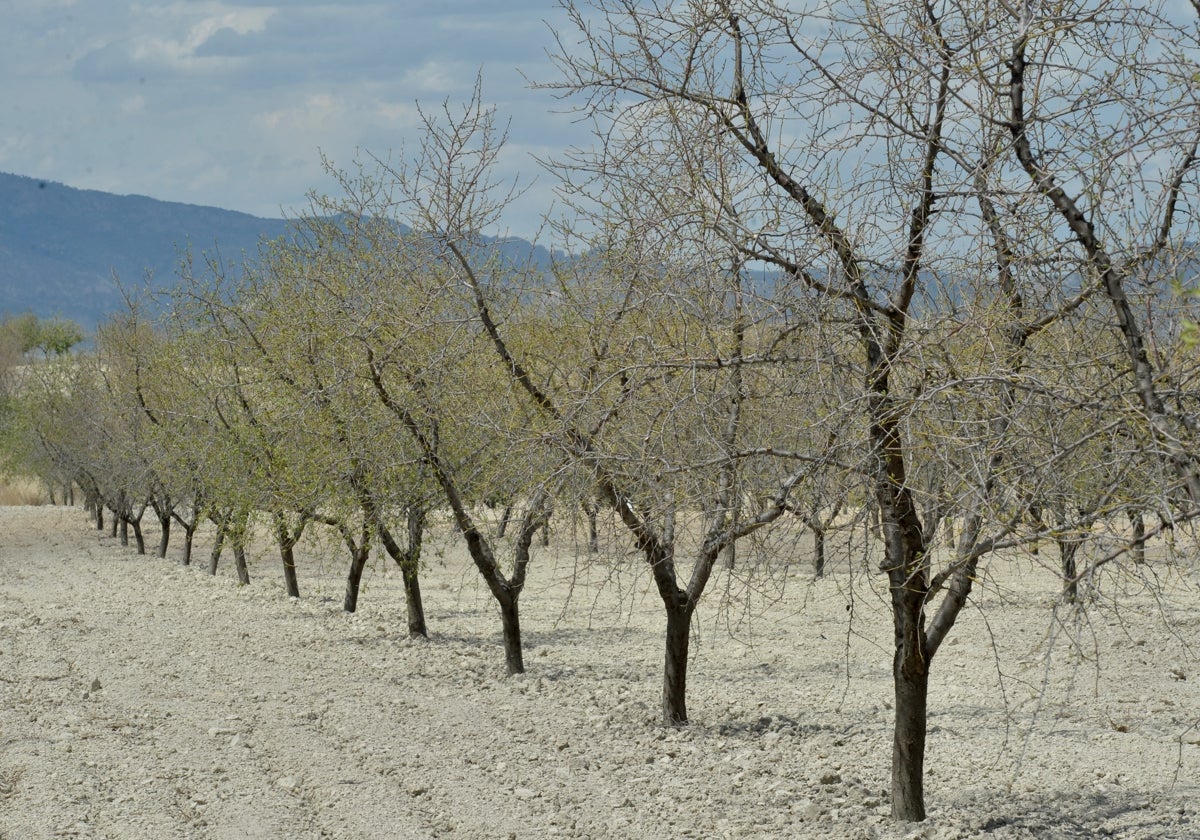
[{"x": 60, "y": 247}]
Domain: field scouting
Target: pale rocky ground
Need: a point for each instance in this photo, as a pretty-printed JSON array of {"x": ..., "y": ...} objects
[{"x": 140, "y": 699}]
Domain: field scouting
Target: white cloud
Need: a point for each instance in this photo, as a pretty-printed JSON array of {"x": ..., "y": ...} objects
[
  {"x": 133, "y": 105},
  {"x": 227, "y": 102}
]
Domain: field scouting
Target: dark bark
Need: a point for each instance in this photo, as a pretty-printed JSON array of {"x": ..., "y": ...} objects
[
  {"x": 674, "y": 697},
  {"x": 239, "y": 561},
  {"x": 287, "y": 538},
  {"x": 911, "y": 681},
  {"x": 358, "y": 561},
  {"x": 506, "y": 590},
  {"x": 360, "y": 553},
  {"x": 188, "y": 537},
  {"x": 1175, "y": 431},
  {"x": 138, "y": 537},
  {"x": 505, "y": 518},
  {"x": 1070, "y": 538},
  {"x": 189, "y": 526},
  {"x": 222, "y": 523},
  {"x": 291, "y": 584},
  {"x": 1069, "y": 547},
  {"x": 818, "y": 552},
  {"x": 409, "y": 560},
  {"x": 413, "y": 603},
  {"x": 164, "y": 524},
  {"x": 510, "y": 621}
]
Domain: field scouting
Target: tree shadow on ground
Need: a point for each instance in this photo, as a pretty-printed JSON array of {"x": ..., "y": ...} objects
[{"x": 1079, "y": 816}]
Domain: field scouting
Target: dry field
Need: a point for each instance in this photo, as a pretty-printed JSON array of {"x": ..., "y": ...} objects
[{"x": 139, "y": 699}]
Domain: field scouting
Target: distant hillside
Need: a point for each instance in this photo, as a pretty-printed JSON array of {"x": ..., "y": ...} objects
[{"x": 60, "y": 246}]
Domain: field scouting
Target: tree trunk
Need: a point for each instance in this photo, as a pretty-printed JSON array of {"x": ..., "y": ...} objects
[
  {"x": 164, "y": 523},
  {"x": 592, "y": 511},
  {"x": 1139, "y": 536},
  {"x": 510, "y": 620},
  {"x": 1068, "y": 548},
  {"x": 189, "y": 533},
  {"x": 505, "y": 518},
  {"x": 287, "y": 537},
  {"x": 138, "y": 538},
  {"x": 239, "y": 558},
  {"x": 358, "y": 561},
  {"x": 411, "y": 570},
  {"x": 1035, "y": 517},
  {"x": 122, "y": 525},
  {"x": 413, "y": 603},
  {"x": 218, "y": 544},
  {"x": 908, "y": 744},
  {"x": 674, "y": 699},
  {"x": 99, "y": 517},
  {"x": 288, "y": 556},
  {"x": 818, "y": 552}
]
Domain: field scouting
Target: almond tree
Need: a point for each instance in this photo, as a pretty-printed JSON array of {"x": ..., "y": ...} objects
[
  {"x": 400, "y": 342},
  {"x": 850, "y": 151},
  {"x": 646, "y": 391},
  {"x": 1108, "y": 142}
]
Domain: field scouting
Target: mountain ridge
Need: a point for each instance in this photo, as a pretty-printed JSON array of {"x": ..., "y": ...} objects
[{"x": 62, "y": 248}]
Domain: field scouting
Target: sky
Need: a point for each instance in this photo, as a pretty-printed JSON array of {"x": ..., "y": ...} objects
[{"x": 232, "y": 103}]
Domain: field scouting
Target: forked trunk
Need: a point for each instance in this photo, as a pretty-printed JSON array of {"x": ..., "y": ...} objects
[
  {"x": 358, "y": 561},
  {"x": 409, "y": 561}
]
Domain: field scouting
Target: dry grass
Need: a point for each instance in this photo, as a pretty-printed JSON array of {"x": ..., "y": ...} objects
[{"x": 22, "y": 491}]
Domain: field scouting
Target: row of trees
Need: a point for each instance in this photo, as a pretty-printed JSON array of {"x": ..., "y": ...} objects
[{"x": 910, "y": 262}]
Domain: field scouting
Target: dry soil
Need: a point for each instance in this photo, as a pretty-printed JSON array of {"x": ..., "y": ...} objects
[{"x": 141, "y": 699}]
